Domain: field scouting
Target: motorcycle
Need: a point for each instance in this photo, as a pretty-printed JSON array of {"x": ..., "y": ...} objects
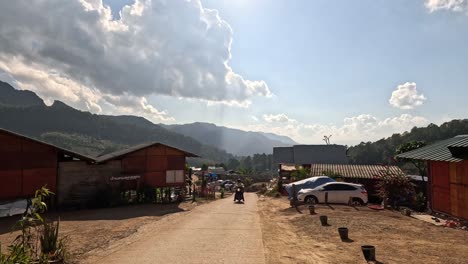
[{"x": 239, "y": 195}]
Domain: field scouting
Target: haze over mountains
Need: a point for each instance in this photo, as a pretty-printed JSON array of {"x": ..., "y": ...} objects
[{"x": 26, "y": 113}]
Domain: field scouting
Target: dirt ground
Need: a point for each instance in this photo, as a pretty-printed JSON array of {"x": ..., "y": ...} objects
[
  {"x": 89, "y": 230},
  {"x": 290, "y": 237}
]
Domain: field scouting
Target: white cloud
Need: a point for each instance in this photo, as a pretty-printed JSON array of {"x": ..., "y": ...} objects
[
  {"x": 406, "y": 96},
  {"x": 73, "y": 50},
  {"x": 353, "y": 130},
  {"x": 279, "y": 118},
  {"x": 453, "y": 5}
]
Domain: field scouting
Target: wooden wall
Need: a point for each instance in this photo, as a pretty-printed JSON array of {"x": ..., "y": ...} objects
[
  {"x": 449, "y": 187},
  {"x": 78, "y": 181},
  {"x": 25, "y": 166},
  {"x": 459, "y": 189},
  {"x": 152, "y": 163}
]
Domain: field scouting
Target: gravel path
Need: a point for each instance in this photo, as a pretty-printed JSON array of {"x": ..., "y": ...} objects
[{"x": 218, "y": 232}]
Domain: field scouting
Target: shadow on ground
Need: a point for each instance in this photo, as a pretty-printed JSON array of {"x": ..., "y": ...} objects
[{"x": 114, "y": 213}]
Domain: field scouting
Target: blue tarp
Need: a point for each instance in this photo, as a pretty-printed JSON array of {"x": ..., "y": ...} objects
[{"x": 308, "y": 183}]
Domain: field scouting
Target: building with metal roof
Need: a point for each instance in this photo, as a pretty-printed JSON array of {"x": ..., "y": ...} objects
[
  {"x": 354, "y": 171},
  {"x": 119, "y": 153},
  {"x": 439, "y": 151},
  {"x": 310, "y": 154},
  {"x": 27, "y": 164},
  {"x": 447, "y": 163}
]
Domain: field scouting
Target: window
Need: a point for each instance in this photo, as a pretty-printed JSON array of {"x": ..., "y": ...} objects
[
  {"x": 331, "y": 187},
  {"x": 174, "y": 176},
  {"x": 344, "y": 187}
]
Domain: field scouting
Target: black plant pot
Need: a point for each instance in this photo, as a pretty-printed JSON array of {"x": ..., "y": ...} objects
[
  {"x": 369, "y": 252},
  {"x": 324, "y": 220},
  {"x": 343, "y": 231},
  {"x": 311, "y": 209}
]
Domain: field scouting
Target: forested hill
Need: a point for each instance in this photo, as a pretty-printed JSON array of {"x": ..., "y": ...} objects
[
  {"x": 380, "y": 152},
  {"x": 24, "y": 112}
]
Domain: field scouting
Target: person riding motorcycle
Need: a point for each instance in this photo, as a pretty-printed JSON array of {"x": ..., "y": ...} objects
[{"x": 239, "y": 187}]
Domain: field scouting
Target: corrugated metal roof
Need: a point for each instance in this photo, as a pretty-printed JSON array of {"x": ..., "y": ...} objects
[
  {"x": 354, "y": 171},
  {"x": 120, "y": 153},
  {"x": 463, "y": 142},
  {"x": 63, "y": 150},
  {"x": 438, "y": 151}
]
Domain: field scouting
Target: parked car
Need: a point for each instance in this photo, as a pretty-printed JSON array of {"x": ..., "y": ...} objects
[
  {"x": 338, "y": 192},
  {"x": 227, "y": 185},
  {"x": 308, "y": 183}
]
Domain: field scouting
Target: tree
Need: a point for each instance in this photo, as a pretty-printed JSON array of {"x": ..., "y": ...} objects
[
  {"x": 300, "y": 173},
  {"x": 412, "y": 145},
  {"x": 233, "y": 164}
]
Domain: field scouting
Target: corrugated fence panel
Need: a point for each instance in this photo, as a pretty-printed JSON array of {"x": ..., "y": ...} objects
[
  {"x": 135, "y": 164},
  {"x": 455, "y": 198},
  {"x": 156, "y": 151},
  {"x": 33, "y": 179},
  {"x": 176, "y": 163},
  {"x": 10, "y": 161},
  {"x": 155, "y": 179},
  {"x": 156, "y": 163},
  {"x": 11, "y": 184}
]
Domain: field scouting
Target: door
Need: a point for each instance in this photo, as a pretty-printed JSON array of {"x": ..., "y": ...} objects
[{"x": 332, "y": 190}]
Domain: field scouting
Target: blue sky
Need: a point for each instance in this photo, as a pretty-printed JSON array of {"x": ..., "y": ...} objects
[{"x": 331, "y": 67}]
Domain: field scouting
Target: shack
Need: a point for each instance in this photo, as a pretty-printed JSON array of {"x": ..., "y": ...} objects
[
  {"x": 447, "y": 162},
  {"x": 152, "y": 165},
  {"x": 27, "y": 164}
]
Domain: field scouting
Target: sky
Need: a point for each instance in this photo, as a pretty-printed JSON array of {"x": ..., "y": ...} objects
[{"x": 356, "y": 70}]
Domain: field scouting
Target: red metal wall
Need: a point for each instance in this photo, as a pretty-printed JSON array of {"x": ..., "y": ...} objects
[
  {"x": 449, "y": 187},
  {"x": 440, "y": 186},
  {"x": 25, "y": 166},
  {"x": 152, "y": 163}
]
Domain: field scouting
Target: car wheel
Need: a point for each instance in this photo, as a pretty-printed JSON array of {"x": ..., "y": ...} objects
[
  {"x": 358, "y": 202},
  {"x": 311, "y": 200}
]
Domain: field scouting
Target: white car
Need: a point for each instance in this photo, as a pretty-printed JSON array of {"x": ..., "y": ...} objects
[{"x": 338, "y": 192}]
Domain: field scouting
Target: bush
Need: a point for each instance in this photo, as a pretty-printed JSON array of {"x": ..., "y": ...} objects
[{"x": 395, "y": 188}]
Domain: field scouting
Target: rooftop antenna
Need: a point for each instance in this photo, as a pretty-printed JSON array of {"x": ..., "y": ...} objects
[{"x": 327, "y": 139}]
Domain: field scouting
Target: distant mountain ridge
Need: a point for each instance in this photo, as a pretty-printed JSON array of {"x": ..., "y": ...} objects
[
  {"x": 238, "y": 142},
  {"x": 24, "y": 112}
]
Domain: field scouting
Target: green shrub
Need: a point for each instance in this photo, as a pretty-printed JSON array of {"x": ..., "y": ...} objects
[{"x": 394, "y": 187}]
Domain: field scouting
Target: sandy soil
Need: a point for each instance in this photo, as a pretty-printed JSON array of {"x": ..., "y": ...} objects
[
  {"x": 91, "y": 230},
  {"x": 290, "y": 237}
]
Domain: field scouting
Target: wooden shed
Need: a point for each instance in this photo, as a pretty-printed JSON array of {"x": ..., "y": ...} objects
[
  {"x": 26, "y": 164},
  {"x": 154, "y": 164},
  {"x": 448, "y": 174}
]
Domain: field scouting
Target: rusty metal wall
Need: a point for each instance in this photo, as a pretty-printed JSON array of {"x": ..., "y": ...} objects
[
  {"x": 25, "y": 166},
  {"x": 152, "y": 163}
]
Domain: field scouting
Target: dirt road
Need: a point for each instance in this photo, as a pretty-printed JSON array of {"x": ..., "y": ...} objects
[{"x": 218, "y": 232}]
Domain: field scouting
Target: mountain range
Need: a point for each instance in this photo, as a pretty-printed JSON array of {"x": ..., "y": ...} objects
[{"x": 26, "y": 113}]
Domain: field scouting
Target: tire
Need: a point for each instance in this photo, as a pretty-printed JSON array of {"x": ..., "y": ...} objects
[
  {"x": 311, "y": 200},
  {"x": 358, "y": 202}
]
